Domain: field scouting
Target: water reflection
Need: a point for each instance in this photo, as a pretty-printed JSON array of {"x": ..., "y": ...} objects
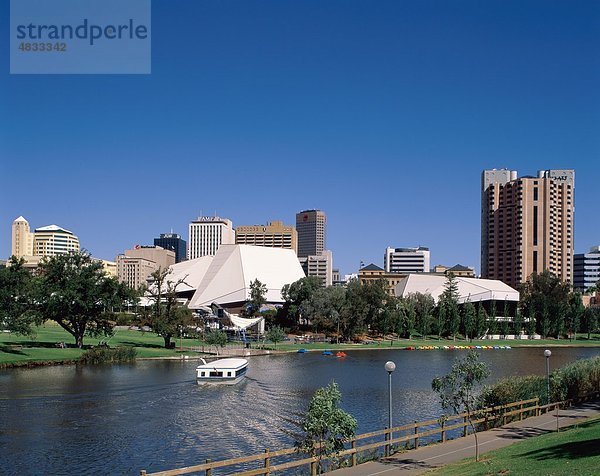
[{"x": 152, "y": 415}]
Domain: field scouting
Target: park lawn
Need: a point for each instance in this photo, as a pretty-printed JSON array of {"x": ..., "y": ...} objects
[
  {"x": 573, "y": 451},
  {"x": 41, "y": 346}
]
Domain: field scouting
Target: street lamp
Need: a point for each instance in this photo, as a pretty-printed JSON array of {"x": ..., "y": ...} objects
[
  {"x": 547, "y": 354},
  {"x": 390, "y": 367}
]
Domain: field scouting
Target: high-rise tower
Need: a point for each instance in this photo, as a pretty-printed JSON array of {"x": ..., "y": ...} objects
[
  {"x": 527, "y": 225},
  {"x": 310, "y": 225},
  {"x": 206, "y": 234}
]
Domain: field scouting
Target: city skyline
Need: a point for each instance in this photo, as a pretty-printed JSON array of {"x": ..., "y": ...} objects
[{"x": 381, "y": 116}]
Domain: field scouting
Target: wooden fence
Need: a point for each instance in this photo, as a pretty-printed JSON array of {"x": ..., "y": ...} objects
[{"x": 409, "y": 435}]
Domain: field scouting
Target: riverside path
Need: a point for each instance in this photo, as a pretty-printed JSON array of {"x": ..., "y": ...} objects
[{"x": 433, "y": 456}]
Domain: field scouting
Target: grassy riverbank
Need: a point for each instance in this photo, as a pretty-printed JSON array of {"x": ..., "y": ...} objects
[
  {"x": 573, "y": 451},
  {"x": 42, "y": 346}
]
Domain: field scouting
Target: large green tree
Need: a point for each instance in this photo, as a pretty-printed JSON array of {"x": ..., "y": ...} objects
[
  {"x": 325, "y": 309},
  {"x": 469, "y": 320},
  {"x": 73, "y": 290},
  {"x": 295, "y": 295},
  {"x": 546, "y": 297},
  {"x": 16, "y": 298},
  {"x": 449, "y": 301},
  {"x": 326, "y": 426},
  {"x": 166, "y": 315}
]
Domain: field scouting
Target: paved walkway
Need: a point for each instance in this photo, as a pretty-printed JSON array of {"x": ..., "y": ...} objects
[{"x": 428, "y": 457}]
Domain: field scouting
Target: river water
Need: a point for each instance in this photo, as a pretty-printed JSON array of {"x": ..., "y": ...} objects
[{"x": 151, "y": 415}]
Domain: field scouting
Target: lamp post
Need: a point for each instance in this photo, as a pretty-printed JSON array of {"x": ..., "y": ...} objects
[
  {"x": 390, "y": 367},
  {"x": 547, "y": 354}
]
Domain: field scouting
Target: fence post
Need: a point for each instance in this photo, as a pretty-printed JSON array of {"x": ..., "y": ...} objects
[
  {"x": 416, "y": 433},
  {"x": 353, "y": 460},
  {"x": 208, "y": 470},
  {"x": 313, "y": 468},
  {"x": 465, "y": 428},
  {"x": 143, "y": 472},
  {"x": 443, "y": 432},
  {"x": 267, "y": 462},
  {"x": 537, "y": 406},
  {"x": 521, "y": 412}
]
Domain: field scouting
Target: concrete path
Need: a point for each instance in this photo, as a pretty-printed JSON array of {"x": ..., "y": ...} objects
[{"x": 428, "y": 457}]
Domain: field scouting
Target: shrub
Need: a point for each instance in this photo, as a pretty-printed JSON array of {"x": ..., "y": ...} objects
[
  {"x": 104, "y": 355},
  {"x": 573, "y": 380}
]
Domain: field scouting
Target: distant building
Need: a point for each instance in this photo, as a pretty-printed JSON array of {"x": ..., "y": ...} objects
[
  {"x": 335, "y": 276},
  {"x": 372, "y": 272},
  {"x": 110, "y": 268},
  {"x": 135, "y": 266},
  {"x": 53, "y": 240},
  {"x": 456, "y": 270},
  {"x": 527, "y": 225},
  {"x": 320, "y": 265},
  {"x": 206, "y": 234},
  {"x": 311, "y": 228},
  {"x": 273, "y": 235},
  {"x": 406, "y": 260},
  {"x": 22, "y": 238},
  {"x": 586, "y": 269},
  {"x": 173, "y": 242}
]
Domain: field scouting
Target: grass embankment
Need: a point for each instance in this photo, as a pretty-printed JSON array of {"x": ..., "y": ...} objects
[
  {"x": 572, "y": 451},
  {"x": 42, "y": 346}
]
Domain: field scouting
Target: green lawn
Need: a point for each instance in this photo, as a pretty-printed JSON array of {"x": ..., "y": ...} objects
[
  {"x": 42, "y": 345},
  {"x": 574, "y": 451}
]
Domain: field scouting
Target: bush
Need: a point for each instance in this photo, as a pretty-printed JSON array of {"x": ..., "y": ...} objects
[
  {"x": 571, "y": 381},
  {"x": 104, "y": 355}
]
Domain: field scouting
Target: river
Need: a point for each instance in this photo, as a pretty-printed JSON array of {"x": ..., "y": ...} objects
[{"x": 151, "y": 415}]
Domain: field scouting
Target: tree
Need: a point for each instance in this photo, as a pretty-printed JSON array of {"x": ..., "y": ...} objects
[
  {"x": 275, "y": 334},
  {"x": 258, "y": 292},
  {"x": 591, "y": 318},
  {"x": 505, "y": 323},
  {"x": 326, "y": 426},
  {"x": 16, "y": 303},
  {"x": 217, "y": 338},
  {"x": 469, "y": 317},
  {"x": 518, "y": 323},
  {"x": 167, "y": 316},
  {"x": 480, "y": 321},
  {"x": 295, "y": 295},
  {"x": 73, "y": 290},
  {"x": 492, "y": 318},
  {"x": 548, "y": 298},
  {"x": 449, "y": 299},
  {"x": 458, "y": 389},
  {"x": 575, "y": 313},
  {"x": 424, "y": 308},
  {"x": 325, "y": 307}
]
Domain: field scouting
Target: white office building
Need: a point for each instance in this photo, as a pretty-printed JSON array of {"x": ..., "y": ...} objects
[
  {"x": 406, "y": 260},
  {"x": 22, "y": 238},
  {"x": 207, "y": 234},
  {"x": 53, "y": 240},
  {"x": 586, "y": 272}
]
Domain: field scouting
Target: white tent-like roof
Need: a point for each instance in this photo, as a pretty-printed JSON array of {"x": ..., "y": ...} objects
[
  {"x": 469, "y": 289},
  {"x": 191, "y": 271},
  {"x": 232, "y": 269}
]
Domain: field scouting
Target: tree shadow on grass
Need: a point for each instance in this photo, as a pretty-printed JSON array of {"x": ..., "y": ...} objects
[
  {"x": 571, "y": 450},
  {"x": 140, "y": 344},
  {"x": 11, "y": 350}
]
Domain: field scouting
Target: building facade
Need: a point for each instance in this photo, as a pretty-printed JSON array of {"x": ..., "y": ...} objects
[
  {"x": 22, "y": 238},
  {"x": 372, "y": 272},
  {"x": 53, "y": 240},
  {"x": 135, "y": 266},
  {"x": 311, "y": 226},
  {"x": 273, "y": 235},
  {"x": 173, "y": 242},
  {"x": 320, "y": 265},
  {"x": 206, "y": 234},
  {"x": 406, "y": 260},
  {"x": 527, "y": 225},
  {"x": 586, "y": 267}
]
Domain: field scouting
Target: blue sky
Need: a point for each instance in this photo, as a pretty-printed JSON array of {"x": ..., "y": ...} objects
[{"x": 382, "y": 114}]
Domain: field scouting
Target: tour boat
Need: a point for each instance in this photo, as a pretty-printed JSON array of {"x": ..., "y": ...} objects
[{"x": 222, "y": 371}]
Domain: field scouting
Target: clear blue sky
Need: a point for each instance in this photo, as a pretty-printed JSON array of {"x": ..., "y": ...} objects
[{"x": 383, "y": 114}]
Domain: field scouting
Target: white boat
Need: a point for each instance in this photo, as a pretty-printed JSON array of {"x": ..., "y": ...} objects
[{"x": 222, "y": 371}]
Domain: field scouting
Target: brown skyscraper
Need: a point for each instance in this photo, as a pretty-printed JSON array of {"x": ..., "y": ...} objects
[
  {"x": 527, "y": 225},
  {"x": 310, "y": 225}
]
